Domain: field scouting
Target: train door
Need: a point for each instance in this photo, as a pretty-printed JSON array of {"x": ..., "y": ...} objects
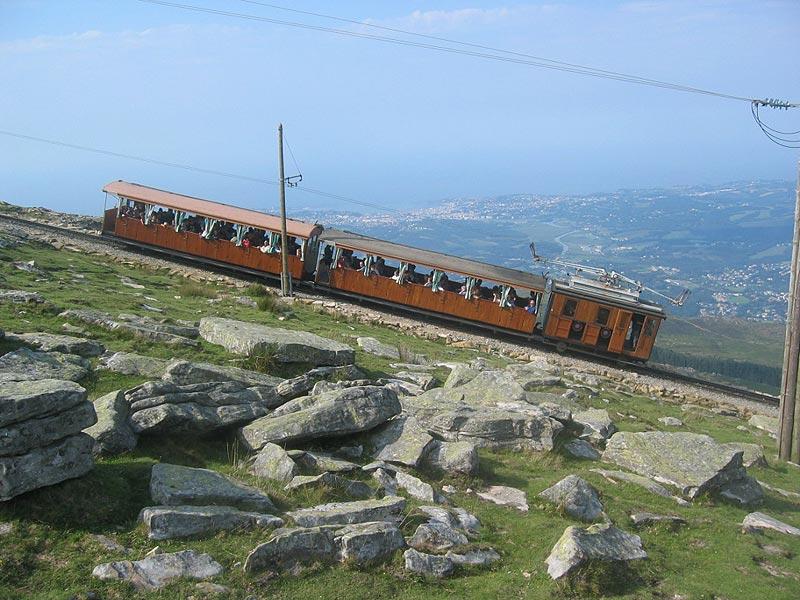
[
  {"x": 620, "y": 331},
  {"x": 641, "y": 344}
]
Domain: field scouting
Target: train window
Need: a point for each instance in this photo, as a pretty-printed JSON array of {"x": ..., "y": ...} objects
[
  {"x": 602, "y": 316},
  {"x": 650, "y": 328},
  {"x": 570, "y": 306}
]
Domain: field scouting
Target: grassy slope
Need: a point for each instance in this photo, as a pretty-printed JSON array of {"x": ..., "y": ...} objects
[{"x": 50, "y": 554}]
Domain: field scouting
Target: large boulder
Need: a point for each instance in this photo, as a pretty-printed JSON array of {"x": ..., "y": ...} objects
[
  {"x": 693, "y": 463},
  {"x": 372, "y": 346},
  {"x": 19, "y": 438},
  {"x": 303, "y": 384},
  {"x": 168, "y": 522},
  {"x": 597, "y": 424},
  {"x": 416, "y": 488},
  {"x": 336, "y": 413},
  {"x": 430, "y": 565},
  {"x": 158, "y": 570},
  {"x": 30, "y": 365},
  {"x": 176, "y": 485},
  {"x": 368, "y": 543},
  {"x": 532, "y": 377},
  {"x": 436, "y": 536},
  {"x": 20, "y": 296},
  {"x": 183, "y": 372},
  {"x": 66, "y": 344},
  {"x": 506, "y": 496},
  {"x": 401, "y": 441},
  {"x": 459, "y": 375},
  {"x": 112, "y": 433},
  {"x": 142, "y": 327},
  {"x": 757, "y": 522},
  {"x": 349, "y": 487},
  {"x": 575, "y": 497},
  {"x": 603, "y": 542},
  {"x": 452, "y": 457},
  {"x": 389, "y": 508},
  {"x": 128, "y": 363},
  {"x": 23, "y": 400},
  {"x": 272, "y": 462},
  {"x": 284, "y": 345},
  {"x": 161, "y": 406}
]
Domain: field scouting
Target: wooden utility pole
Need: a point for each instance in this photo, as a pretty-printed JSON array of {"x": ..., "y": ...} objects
[
  {"x": 789, "y": 430},
  {"x": 286, "y": 280}
]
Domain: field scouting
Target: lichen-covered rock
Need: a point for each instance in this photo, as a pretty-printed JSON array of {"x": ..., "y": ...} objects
[
  {"x": 459, "y": 375},
  {"x": 303, "y": 384},
  {"x": 745, "y": 491},
  {"x": 175, "y": 485},
  {"x": 581, "y": 449},
  {"x": 417, "y": 488},
  {"x": 452, "y": 457},
  {"x": 332, "y": 414},
  {"x": 603, "y": 542},
  {"x": 30, "y": 365},
  {"x": 427, "y": 564},
  {"x": 436, "y": 536},
  {"x": 183, "y": 372},
  {"x": 349, "y": 487},
  {"x": 597, "y": 424},
  {"x": 424, "y": 381},
  {"x": 272, "y": 462},
  {"x": 757, "y": 522},
  {"x": 671, "y": 421},
  {"x": 154, "y": 572},
  {"x": 691, "y": 462},
  {"x": 752, "y": 454},
  {"x": 645, "y": 518},
  {"x": 294, "y": 547},
  {"x": 532, "y": 377},
  {"x": 575, "y": 497},
  {"x": 389, "y": 508},
  {"x": 284, "y": 345},
  {"x": 765, "y": 423},
  {"x": 23, "y": 400},
  {"x": 128, "y": 363},
  {"x": 142, "y": 327},
  {"x": 19, "y": 438},
  {"x": 168, "y": 522},
  {"x": 112, "y": 433},
  {"x": 474, "y": 558},
  {"x": 401, "y": 441},
  {"x": 20, "y": 296},
  {"x": 49, "y": 342},
  {"x": 317, "y": 462},
  {"x": 506, "y": 496},
  {"x": 372, "y": 346},
  {"x": 368, "y": 543}
]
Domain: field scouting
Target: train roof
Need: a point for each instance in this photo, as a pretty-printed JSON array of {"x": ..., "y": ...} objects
[
  {"x": 209, "y": 208},
  {"x": 610, "y": 296},
  {"x": 433, "y": 260}
]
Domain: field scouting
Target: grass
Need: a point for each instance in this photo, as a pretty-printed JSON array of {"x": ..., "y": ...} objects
[
  {"x": 50, "y": 553},
  {"x": 191, "y": 289}
]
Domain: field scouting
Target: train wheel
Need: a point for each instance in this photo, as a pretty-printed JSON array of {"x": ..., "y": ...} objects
[{"x": 561, "y": 347}]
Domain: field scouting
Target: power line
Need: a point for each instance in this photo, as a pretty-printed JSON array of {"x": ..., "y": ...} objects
[
  {"x": 512, "y": 57},
  {"x": 775, "y": 135},
  {"x": 187, "y": 167}
]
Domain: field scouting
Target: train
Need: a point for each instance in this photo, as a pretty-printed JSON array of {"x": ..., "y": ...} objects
[{"x": 578, "y": 312}]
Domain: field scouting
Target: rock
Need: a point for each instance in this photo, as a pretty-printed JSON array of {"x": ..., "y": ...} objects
[
  {"x": 22, "y": 437},
  {"x": 183, "y": 372},
  {"x": 333, "y": 414},
  {"x": 474, "y": 558},
  {"x": 603, "y": 542},
  {"x": 401, "y": 441},
  {"x": 372, "y": 346},
  {"x": 128, "y": 363},
  {"x": 597, "y": 424},
  {"x": 302, "y": 384},
  {"x": 752, "y": 454},
  {"x": 142, "y": 327},
  {"x": 581, "y": 449},
  {"x": 427, "y": 564},
  {"x": 417, "y": 488},
  {"x": 452, "y": 457},
  {"x": 368, "y": 543},
  {"x": 424, "y": 381},
  {"x": 108, "y": 544},
  {"x": 291, "y": 548},
  {"x": 67, "y": 458},
  {"x": 352, "y": 488},
  {"x": 671, "y": 421},
  {"x": 389, "y": 508},
  {"x": 765, "y": 423},
  {"x": 531, "y": 377},
  {"x": 161, "y": 406},
  {"x": 284, "y": 345},
  {"x": 693, "y": 463},
  {"x": 646, "y": 518},
  {"x": 6, "y": 529},
  {"x": 459, "y": 375},
  {"x": 212, "y": 589},
  {"x": 272, "y": 462},
  {"x": 154, "y": 572},
  {"x": 20, "y": 297},
  {"x": 28, "y": 365},
  {"x": 350, "y": 451},
  {"x": 321, "y": 463},
  {"x": 168, "y": 522},
  {"x": 436, "y": 536},
  {"x": 48, "y": 342},
  {"x": 112, "y": 434},
  {"x": 641, "y": 481},
  {"x": 757, "y": 522},
  {"x": 506, "y": 496},
  {"x": 23, "y": 400},
  {"x": 575, "y": 497},
  {"x": 386, "y": 482},
  {"x": 175, "y": 485},
  {"x": 745, "y": 491}
]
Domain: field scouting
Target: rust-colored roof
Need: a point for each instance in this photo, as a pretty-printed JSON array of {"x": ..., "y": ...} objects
[{"x": 209, "y": 208}]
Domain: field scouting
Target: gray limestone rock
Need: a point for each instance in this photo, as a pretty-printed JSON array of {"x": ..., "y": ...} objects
[
  {"x": 368, "y": 543},
  {"x": 436, "y": 536},
  {"x": 506, "y": 496},
  {"x": 175, "y": 485},
  {"x": 292, "y": 548},
  {"x": 671, "y": 421},
  {"x": 417, "y": 488},
  {"x": 474, "y": 558},
  {"x": 765, "y": 423},
  {"x": 424, "y": 381},
  {"x": 427, "y": 564},
  {"x": 389, "y": 508},
  {"x": 757, "y": 522},
  {"x": 154, "y": 572},
  {"x": 65, "y": 459},
  {"x": 452, "y": 457},
  {"x": 575, "y": 497},
  {"x": 581, "y": 449},
  {"x": 112, "y": 433},
  {"x": 320, "y": 463},
  {"x": 168, "y": 522},
  {"x": 285, "y": 345},
  {"x": 597, "y": 424},
  {"x": 401, "y": 441},
  {"x": 531, "y": 377},
  {"x": 745, "y": 491},
  {"x": 648, "y": 484},
  {"x": 128, "y": 363},
  {"x": 20, "y": 297},
  {"x": 27, "y": 435},
  {"x": 752, "y": 454},
  {"x": 48, "y": 342},
  {"x": 303, "y": 384},
  {"x": 272, "y": 462},
  {"x": 459, "y": 375},
  {"x": 386, "y": 482},
  {"x": 29, "y": 365},
  {"x": 603, "y": 542},
  {"x": 183, "y": 372},
  {"x": 142, "y": 327},
  {"x": 333, "y": 414},
  {"x": 23, "y": 400},
  {"x": 349, "y": 487},
  {"x": 372, "y": 346},
  {"x": 642, "y": 519},
  {"x": 692, "y": 463}
]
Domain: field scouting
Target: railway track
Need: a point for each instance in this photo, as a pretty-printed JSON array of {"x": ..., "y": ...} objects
[{"x": 309, "y": 287}]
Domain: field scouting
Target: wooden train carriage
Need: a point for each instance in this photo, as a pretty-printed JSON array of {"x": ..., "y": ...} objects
[
  {"x": 606, "y": 320},
  {"x": 145, "y": 230},
  {"x": 435, "y": 297}
]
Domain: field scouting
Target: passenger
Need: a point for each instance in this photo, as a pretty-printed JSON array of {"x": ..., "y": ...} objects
[
  {"x": 398, "y": 278},
  {"x": 246, "y": 243},
  {"x": 429, "y": 280},
  {"x": 380, "y": 266},
  {"x": 531, "y": 308}
]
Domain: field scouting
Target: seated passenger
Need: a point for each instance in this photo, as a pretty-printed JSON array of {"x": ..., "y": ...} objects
[
  {"x": 531, "y": 308},
  {"x": 429, "y": 280},
  {"x": 380, "y": 266}
]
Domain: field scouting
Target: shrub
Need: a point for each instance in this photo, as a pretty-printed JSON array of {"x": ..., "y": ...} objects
[
  {"x": 256, "y": 290},
  {"x": 191, "y": 289}
]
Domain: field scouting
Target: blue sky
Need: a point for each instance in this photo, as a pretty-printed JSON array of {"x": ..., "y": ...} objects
[{"x": 397, "y": 126}]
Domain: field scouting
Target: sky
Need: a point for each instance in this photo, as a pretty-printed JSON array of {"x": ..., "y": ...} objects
[{"x": 391, "y": 125}]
